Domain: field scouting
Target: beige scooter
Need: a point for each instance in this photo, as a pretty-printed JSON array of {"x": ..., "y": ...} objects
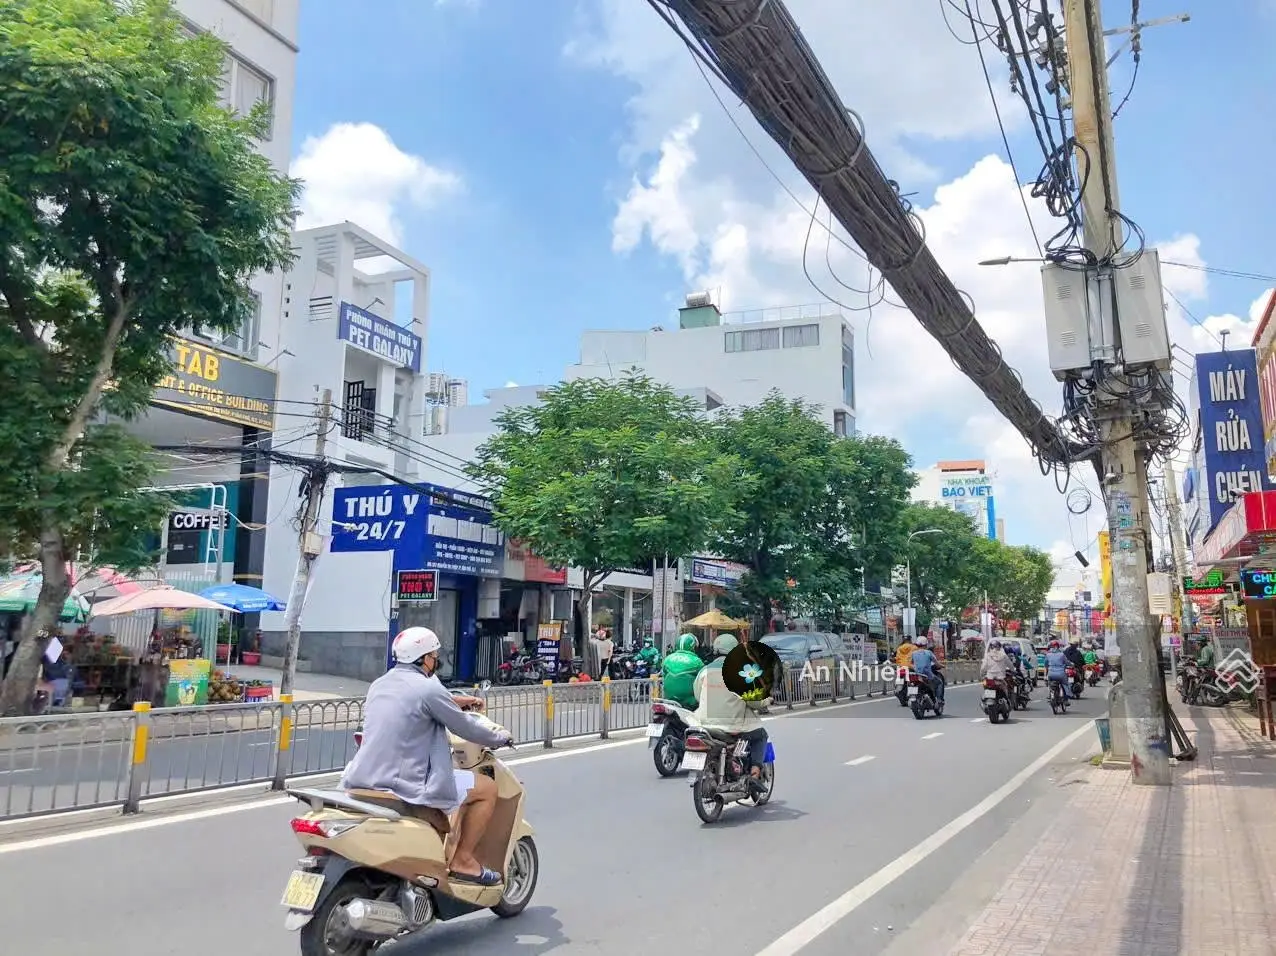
[{"x": 372, "y": 874}]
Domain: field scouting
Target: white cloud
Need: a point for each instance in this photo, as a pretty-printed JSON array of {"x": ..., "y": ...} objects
[
  {"x": 355, "y": 172},
  {"x": 702, "y": 205}
]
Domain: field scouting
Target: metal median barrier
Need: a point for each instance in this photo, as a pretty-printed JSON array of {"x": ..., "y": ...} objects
[{"x": 68, "y": 762}]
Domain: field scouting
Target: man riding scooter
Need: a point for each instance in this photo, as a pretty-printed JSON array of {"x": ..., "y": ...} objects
[
  {"x": 926, "y": 664},
  {"x": 649, "y": 655},
  {"x": 726, "y": 712},
  {"x": 903, "y": 661},
  {"x": 407, "y": 753},
  {"x": 997, "y": 665},
  {"x": 679, "y": 670}
]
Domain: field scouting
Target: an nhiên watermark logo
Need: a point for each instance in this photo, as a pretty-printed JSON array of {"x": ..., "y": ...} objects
[
  {"x": 856, "y": 671},
  {"x": 1238, "y": 670}
]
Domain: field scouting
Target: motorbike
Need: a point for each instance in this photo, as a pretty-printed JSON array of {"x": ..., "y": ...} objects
[
  {"x": 921, "y": 697},
  {"x": 520, "y": 668},
  {"x": 1202, "y": 686},
  {"x": 666, "y": 734},
  {"x": 996, "y": 702},
  {"x": 1075, "y": 679},
  {"x": 372, "y": 874},
  {"x": 1093, "y": 672},
  {"x": 1058, "y": 698},
  {"x": 901, "y": 687},
  {"x": 1021, "y": 692},
  {"x": 719, "y": 772}
]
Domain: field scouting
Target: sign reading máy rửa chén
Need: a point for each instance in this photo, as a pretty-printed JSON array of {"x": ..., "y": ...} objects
[{"x": 217, "y": 385}]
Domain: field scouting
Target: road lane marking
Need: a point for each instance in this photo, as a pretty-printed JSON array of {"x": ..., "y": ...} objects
[
  {"x": 938, "y": 733},
  {"x": 859, "y": 760},
  {"x": 814, "y": 926},
  {"x": 38, "y": 843},
  {"x": 979, "y": 720}
]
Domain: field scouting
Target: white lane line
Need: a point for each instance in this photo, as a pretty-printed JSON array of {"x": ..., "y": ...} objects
[
  {"x": 938, "y": 733},
  {"x": 859, "y": 760},
  {"x": 38, "y": 843},
  {"x": 18, "y": 770},
  {"x": 821, "y": 922}
]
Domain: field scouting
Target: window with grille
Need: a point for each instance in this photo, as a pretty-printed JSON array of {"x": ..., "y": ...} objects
[
  {"x": 752, "y": 340},
  {"x": 848, "y": 377},
  {"x": 800, "y": 336}
]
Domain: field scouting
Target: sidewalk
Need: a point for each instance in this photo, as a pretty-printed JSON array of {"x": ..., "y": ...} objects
[
  {"x": 1142, "y": 871},
  {"x": 305, "y": 686}
]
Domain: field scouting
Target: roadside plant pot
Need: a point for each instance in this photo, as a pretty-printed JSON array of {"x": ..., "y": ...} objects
[
  {"x": 223, "y": 653},
  {"x": 250, "y": 658}
]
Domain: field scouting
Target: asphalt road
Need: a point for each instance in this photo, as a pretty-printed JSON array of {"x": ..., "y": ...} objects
[
  {"x": 627, "y": 867},
  {"x": 44, "y": 773}
]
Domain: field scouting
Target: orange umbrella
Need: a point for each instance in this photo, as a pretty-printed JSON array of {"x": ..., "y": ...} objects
[{"x": 163, "y": 598}]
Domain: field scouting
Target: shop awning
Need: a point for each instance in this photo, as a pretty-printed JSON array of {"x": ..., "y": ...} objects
[{"x": 1247, "y": 529}]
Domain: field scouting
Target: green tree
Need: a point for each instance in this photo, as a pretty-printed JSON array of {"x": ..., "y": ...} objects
[
  {"x": 1023, "y": 578},
  {"x": 810, "y": 520},
  {"x": 948, "y": 563},
  {"x": 606, "y": 475},
  {"x": 132, "y": 206}
]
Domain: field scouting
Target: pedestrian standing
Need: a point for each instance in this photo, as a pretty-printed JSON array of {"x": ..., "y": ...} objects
[{"x": 605, "y": 648}]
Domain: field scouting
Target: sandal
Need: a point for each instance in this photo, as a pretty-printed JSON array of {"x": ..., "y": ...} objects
[{"x": 484, "y": 878}]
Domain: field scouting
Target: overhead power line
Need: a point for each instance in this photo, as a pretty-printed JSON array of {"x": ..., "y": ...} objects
[{"x": 756, "y": 49}]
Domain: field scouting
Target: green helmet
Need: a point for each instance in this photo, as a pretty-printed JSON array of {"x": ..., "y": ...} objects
[{"x": 687, "y": 642}]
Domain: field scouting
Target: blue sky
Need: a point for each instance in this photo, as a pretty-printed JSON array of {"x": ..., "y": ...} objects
[{"x": 561, "y": 165}]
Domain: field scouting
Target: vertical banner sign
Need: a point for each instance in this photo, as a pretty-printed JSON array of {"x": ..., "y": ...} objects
[
  {"x": 1231, "y": 423},
  {"x": 1105, "y": 572}
]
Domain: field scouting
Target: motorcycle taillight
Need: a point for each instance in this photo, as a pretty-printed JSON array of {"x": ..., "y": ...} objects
[{"x": 659, "y": 710}]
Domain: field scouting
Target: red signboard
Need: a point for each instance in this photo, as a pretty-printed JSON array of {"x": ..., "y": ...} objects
[{"x": 417, "y": 586}]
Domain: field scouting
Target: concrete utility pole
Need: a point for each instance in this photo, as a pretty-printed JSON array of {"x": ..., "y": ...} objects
[
  {"x": 1178, "y": 550},
  {"x": 308, "y": 542},
  {"x": 1125, "y": 477}
]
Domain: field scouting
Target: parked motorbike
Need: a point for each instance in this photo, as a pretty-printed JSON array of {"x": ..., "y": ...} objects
[
  {"x": 718, "y": 766},
  {"x": 1188, "y": 680},
  {"x": 921, "y": 697},
  {"x": 1075, "y": 679},
  {"x": 666, "y": 734},
  {"x": 996, "y": 702},
  {"x": 520, "y": 668},
  {"x": 371, "y": 874},
  {"x": 1058, "y": 697}
]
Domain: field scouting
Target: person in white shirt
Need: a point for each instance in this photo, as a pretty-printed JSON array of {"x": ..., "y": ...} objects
[
  {"x": 723, "y": 710},
  {"x": 605, "y": 648}
]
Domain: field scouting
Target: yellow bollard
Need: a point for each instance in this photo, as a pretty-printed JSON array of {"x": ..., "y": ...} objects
[
  {"x": 605, "y": 729},
  {"x": 285, "y": 723},
  {"x": 142, "y": 734},
  {"x": 549, "y": 713}
]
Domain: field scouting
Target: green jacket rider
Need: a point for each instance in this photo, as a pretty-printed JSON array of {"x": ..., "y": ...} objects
[
  {"x": 649, "y": 653},
  {"x": 679, "y": 670},
  {"x": 1206, "y": 656}
]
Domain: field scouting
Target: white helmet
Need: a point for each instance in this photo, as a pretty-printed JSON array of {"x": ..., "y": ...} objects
[
  {"x": 414, "y": 643},
  {"x": 922, "y": 642}
]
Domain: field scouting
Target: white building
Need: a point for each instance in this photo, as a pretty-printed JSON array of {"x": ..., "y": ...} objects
[
  {"x": 218, "y": 394},
  {"x": 360, "y": 335},
  {"x": 805, "y": 352},
  {"x": 965, "y": 487},
  {"x": 443, "y": 393}
]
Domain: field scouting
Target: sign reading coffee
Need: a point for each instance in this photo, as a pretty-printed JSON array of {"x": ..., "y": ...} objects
[
  {"x": 197, "y": 520},
  {"x": 218, "y": 385}
]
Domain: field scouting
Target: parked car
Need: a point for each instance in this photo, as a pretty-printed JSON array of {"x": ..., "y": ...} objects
[{"x": 824, "y": 652}]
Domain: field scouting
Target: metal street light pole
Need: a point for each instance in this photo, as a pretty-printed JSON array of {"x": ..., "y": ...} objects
[{"x": 908, "y": 571}]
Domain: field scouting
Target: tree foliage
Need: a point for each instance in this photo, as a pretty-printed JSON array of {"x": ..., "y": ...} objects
[
  {"x": 809, "y": 523},
  {"x": 606, "y": 475},
  {"x": 133, "y": 206}
]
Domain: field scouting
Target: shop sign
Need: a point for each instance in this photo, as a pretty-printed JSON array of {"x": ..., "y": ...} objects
[
  {"x": 213, "y": 384},
  {"x": 380, "y": 337},
  {"x": 419, "y": 586},
  {"x": 1211, "y": 585},
  {"x": 1231, "y": 423},
  {"x": 1258, "y": 585},
  {"x": 972, "y": 496},
  {"x": 723, "y": 574},
  {"x": 187, "y": 683},
  {"x": 197, "y": 520},
  {"x": 534, "y": 569}
]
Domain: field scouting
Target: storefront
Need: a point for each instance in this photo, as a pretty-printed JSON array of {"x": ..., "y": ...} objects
[
  {"x": 427, "y": 528},
  {"x": 1245, "y": 542}
]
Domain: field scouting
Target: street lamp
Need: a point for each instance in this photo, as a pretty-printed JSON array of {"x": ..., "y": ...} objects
[{"x": 908, "y": 571}]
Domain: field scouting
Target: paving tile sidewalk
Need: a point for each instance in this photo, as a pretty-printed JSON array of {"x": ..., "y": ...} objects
[{"x": 1142, "y": 871}]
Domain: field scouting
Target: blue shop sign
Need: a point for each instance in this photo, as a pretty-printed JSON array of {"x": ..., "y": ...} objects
[
  {"x": 379, "y": 337},
  {"x": 1231, "y": 428}
]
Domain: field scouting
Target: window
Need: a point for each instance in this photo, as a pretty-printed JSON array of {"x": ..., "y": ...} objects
[
  {"x": 848, "y": 377},
  {"x": 244, "y": 340},
  {"x": 243, "y": 87},
  {"x": 800, "y": 336},
  {"x": 839, "y": 424},
  {"x": 752, "y": 340}
]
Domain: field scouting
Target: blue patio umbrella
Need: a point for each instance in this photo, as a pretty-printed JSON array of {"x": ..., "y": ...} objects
[{"x": 241, "y": 597}]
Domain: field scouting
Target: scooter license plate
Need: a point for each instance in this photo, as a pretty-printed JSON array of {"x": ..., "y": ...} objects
[
  {"x": 302, "y": 891},
  {"x": 990, "y": 694},
  {"x": 655, "y": 730},
  {"x": 693, "y": 761}
]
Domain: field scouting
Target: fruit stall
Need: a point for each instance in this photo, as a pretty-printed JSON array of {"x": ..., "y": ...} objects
[{"x": 226, "y": 688}]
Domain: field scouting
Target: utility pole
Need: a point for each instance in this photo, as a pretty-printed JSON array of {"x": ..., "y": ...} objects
[
  {"x": 1178, "y": 550},
  {"x": 1124, "y": 475},
  {"x": 308, "y": 543}
]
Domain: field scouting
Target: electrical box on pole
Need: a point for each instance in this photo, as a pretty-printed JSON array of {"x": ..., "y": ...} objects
[
  {"x": 1080, "y": 325},
  {"x": 1140, "y": 308}
]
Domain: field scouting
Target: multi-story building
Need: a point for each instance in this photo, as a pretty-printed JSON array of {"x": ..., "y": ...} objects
[
  {"x": 443, "y": 393},
  {"x": 804, "y": 352},
  {"x": 222, "y": 390},
  {"x": 965, "y": 487}
]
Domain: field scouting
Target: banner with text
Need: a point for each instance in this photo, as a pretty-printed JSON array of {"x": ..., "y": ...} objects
[
  {"x": 1231, "y": 424},
  {"x": 379, "y": 337}
]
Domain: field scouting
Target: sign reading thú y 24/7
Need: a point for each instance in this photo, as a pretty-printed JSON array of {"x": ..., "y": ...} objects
[
  {"x": 373, "y": 519},
  {"x": 378, "y": 336}
]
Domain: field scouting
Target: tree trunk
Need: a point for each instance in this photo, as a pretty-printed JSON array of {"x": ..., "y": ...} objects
[{"x": 19, "y": 686}]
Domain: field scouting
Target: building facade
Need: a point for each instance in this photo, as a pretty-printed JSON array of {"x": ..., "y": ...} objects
[
  {"x": 221, "y": 391},
  {"x": 804, "y": 352},
  {"x": 964, "y": 487}
]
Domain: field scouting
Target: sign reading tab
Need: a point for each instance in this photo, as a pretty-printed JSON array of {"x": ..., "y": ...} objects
[{"x": 416, "y": 586}]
